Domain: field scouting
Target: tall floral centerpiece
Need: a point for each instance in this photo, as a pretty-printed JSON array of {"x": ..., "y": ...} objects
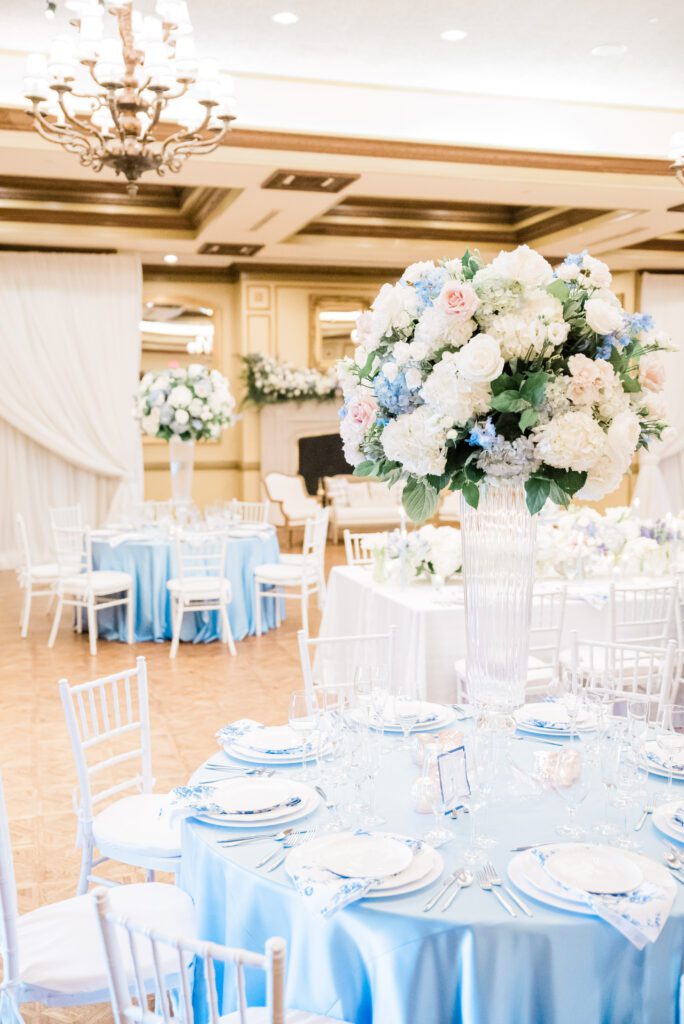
[
  {"x": 183, "y": 405},
  {"x": 514, "y": 384}
]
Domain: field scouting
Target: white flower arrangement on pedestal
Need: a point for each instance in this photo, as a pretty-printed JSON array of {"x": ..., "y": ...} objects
[
  {"x": 270, "y": 380},
  {"x": 191, "y": 404},
  {"x": 468, "y": 372}
]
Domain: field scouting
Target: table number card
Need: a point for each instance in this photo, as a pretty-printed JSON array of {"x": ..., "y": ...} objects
[{"x": 453, "y": 777}]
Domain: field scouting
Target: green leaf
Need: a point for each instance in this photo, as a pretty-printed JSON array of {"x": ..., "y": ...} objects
[
  {"x": 558, "y": 495},
  {"x": 419, "y": 499},
  {"x": 509, "y": 401},
  {"x": 534, "y": 387},
  {"x": 528, "y": 419},
  {"x": 366, "y": 468},
  {"x": 630, "y": 385},
  {"x": 537, "y": 490},
  {"x": 569, "y": 480},
  {"x": 471, "y": 493},
  {"x": 559, "y": 289}
]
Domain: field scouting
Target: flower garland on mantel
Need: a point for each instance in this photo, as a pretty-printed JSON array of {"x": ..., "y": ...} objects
[{"x": 269, "y": 381}]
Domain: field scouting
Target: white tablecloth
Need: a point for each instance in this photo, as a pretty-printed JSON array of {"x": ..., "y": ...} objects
[{"x": 431, "y": 623}]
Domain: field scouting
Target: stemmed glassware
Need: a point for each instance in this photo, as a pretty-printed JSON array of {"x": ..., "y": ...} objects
[
  {"x": 669, "y": 736},
  {"x": 303, "y": 718},
  {"x": 573, "y": 793},
  {"x": 407, "y": 713},
  {"x": 372, "y": 759},
  {"x": 609, "y": 760},
  {"x": 440, "y": 803}
]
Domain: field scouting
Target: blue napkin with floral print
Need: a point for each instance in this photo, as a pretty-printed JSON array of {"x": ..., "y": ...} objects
[{"x": 234, "y": 732}]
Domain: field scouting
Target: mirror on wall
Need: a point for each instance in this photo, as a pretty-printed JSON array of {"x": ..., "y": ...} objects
[
  {"x": 178, "y": 328},
  {"x": 333, "y": 318}
]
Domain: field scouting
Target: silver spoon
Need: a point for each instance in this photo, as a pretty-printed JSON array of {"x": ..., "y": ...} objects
[{"x": 464, "y": 879}]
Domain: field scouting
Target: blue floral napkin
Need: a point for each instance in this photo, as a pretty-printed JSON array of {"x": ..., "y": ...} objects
[
  {"x": 229, "y": 734},
  {"x": 638, "y": 915},
  {"x": 678, "y": 817},
  {"x": 186, "y": 801},
  {"x": 326, "y": 892},
  {"x": 657, "y": 760}
]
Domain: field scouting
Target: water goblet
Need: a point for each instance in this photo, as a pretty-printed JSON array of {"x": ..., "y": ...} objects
[
  {"x": 573, "y": 793},
  {"x": 440, "y": 803},
  {"x": 407, "y": 713},
  {"x": 669, "y": 736},
  {"x": 303, "y": 718}
]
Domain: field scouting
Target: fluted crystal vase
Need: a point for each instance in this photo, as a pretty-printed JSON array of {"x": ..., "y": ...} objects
[
  {"x": 498, "y": 573},
  {"x": 181, "y": 463}
]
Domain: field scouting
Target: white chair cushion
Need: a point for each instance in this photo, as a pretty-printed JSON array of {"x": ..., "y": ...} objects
[
  {"x": 48, "y": 571},
  {"x": 366, "y": 515},
  {"x": 276, "y": 572},
  {"x": 103, "y": 581},
  {"x": 134, "y": 823},
  {"x": 201, "y": 587},
  {"x": 60, "y": 945},
  {"x": 259, "y": 1015},
  {"x": 292, "y": 559}
]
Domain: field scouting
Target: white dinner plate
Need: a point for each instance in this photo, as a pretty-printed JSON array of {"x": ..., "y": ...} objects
[
  {"x": 662, "y": 819},
  {"x": 240, "y": 753},
  {"x": 527, "y": 874},
  {"x": 595, "y": 869},
  {"x": 426, "y": 866},
  {"x": 656, "y": 765},
  {"x": 277, "y": 739},
  {"x": 529, "y": 717},
  {"x": 444, "y": 716},
  {"x": 256, "y": 792},
  {"x": 372, "y": 856}
]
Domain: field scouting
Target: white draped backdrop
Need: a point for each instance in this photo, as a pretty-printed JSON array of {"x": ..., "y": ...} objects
[
  {"x": 70, "y": 346},
  {"x": 660, "y": 485}
]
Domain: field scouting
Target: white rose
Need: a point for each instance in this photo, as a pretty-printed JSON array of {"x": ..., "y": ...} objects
[
  {"x": 449, "y": 395},
  {"x": 150, "y": 423},
  {"x": 390, "y": 371},
  {"x": 413, "y": 378},
  {"x": 557, "y": 332},
  {"x": 401, "y": 353},
  {"x": 180, "y": 396},
  {"x": 654, "y": 404},
  {"x": 394, "y": 307},
  {"x": 573, "y": 440},
  {"x": 602, "y": 317},
  {"x": 523, "y": 265},
  {"x": 182, "y": 416},
  {"x": 195, "y": 370},
  {"x": 568, "y": 271},
  {"x": 597, "y": 271},
  {"x": 195, "y": 407},
  {"x": 621, "y": 441},
  {"x": 418, "y": 350},
  {"x": 480, "y": 360},
  {"x": 417, "y": 271}
]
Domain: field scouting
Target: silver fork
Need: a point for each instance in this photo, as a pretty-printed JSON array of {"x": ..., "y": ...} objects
[
  {"x": 492, "y": 876},
  {"x": 229, "y": 769},
  {"x": 486, "y": 886},
  {"x": 294, "y": 840},
  {"x": 649, "y": 808}
]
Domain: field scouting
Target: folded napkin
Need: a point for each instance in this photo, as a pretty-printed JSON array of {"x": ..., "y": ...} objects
[
  {"x": 326, "y": 892},
  {"x": 232, "y": 733},
  {"x": 186, "y": 801},
  {"x": 638, "y": 915},
  {"x": 657, "y": 760},
  {"x": 678, "y": 817}
]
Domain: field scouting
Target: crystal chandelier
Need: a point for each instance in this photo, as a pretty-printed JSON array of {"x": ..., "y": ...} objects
[{"x": 135, "y": 101}]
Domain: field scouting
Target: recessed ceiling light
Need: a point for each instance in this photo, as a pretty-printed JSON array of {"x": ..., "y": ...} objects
[
  {"x": 609, "y": 50},
  {"x": 170, "y": 258},
  {"x": 453, "y": 35},
  {"x": 285, "y": 18}
]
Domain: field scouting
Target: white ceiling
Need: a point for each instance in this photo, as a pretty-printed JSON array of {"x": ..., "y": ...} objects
[{"x": 526, "y": 48}]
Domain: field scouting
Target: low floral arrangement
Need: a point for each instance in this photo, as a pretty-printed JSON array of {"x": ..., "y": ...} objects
[
  {"x": 581, "y": 541},
  {"x": 193, "y": 404},
  {"x": 431, "y": 550},
  {"x": 467, "y": 372},
  {"x": 269, "y": 380}
]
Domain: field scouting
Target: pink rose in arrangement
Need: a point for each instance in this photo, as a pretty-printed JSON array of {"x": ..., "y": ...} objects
[
  {"x": 652, "y": 372},
  {"x": 362, "y": 410},
  {"x": 458, "y": 300}
]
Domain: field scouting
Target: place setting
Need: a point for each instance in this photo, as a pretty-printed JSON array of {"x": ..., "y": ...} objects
[{"x": 245, "y": 801}]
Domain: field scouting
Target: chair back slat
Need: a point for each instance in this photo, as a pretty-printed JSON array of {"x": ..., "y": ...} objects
[
  {"x": 24, "y": 549},
  {"x": 68, "y": 517},
  {"x": 315, "y": 538},
  {"x": 628, "y": 670},
  {"x": 250, "y": 511},
  {"x": 171, "y": 958},
  {"x": 546, "y": 624},
  {"x": 358, "y": 547},
  {"x": 9, "y": 915},
  {"x": 331, "y": 660},
  {"x": 642, "y": 614},
  {"x": 72, "y": 545},
  {"x": 201, "y": 554},
  {"x": 101, "y": 716}
]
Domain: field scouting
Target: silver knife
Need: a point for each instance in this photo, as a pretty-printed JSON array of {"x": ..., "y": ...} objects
[
  {"x": 516, "y": 899},
  {"x": 530, "y": 846},
  {"x": 447, "y": 885}
]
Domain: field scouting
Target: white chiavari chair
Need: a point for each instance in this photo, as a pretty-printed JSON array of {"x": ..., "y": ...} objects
[
  {"x": 174, "y": 989},
  {"x": 626, "y": 670},
  {"x": 54, "y": 954},
  {"x": 642, "y": 613},
  {"x": 332, "y": 660},
  {"x": 546, "y": 630},
  {"x": 201, "y": 584},
  {"x": 250, "y": 511},
  {"x": 109, "y": 729},
  {"x": 86, "y": 589},
  {"x": 68, "y": 517},
  {"x": 34, "y": 580},
  {"x": 299, "y": 580},
  {"x": 358, "y": 547}
]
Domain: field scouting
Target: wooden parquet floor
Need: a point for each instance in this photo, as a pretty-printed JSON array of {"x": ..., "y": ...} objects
[{"x": 189, "y": 699}]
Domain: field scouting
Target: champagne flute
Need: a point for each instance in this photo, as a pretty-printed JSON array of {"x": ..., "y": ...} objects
[
  {"x": 303, "y": 717},
  {"x": 407, "y": 713},
  {"x": 572, "y": 794},
  {"x": 669, "y": 737},
  {"x": 440, "y": 803}
]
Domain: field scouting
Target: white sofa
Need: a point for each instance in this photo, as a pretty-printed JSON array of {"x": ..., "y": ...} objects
[
  {"x": 293, "y": 504},
  {"x": 361, "y": 504}
]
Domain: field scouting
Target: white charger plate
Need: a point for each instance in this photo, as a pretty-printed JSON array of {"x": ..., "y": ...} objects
[
  {"x": 372, "y": 856},
  {"x": 662, "y": 819},
  {"x": 656, "y": 768},
  {"x": 596, "y": 869},
  {"x": 546, "y": 711},
  {"x": 283, "y": 740},
  {"x": 444, "y": 717},
  {"x": 240, "y": 753},
  {"x": 527, "y": 874},
  {"x": 426, "y": 867},
  {"x": 225, "y": 793}
]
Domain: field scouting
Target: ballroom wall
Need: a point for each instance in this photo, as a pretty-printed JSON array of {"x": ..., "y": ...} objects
[{"x": 267, "y": 313}]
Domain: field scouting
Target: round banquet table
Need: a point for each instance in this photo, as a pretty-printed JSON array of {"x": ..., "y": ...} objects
[
  {"x": 385, "y": 961},
  {"x": 151, "y": 563}
]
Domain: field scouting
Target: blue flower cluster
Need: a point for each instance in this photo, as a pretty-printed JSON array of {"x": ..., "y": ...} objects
[
  {"x": 639, "y": 322},
  {"x": 482, "y": 437},
  {"x": 427, "y": 289},
  {"x": 577, "y": 258},
  {"x": 394, "y": 396}
]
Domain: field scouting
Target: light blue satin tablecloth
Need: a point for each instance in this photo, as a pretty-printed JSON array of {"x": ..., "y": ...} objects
[
  {"x": 151, "y": 563},
  {"x": 386, "y": 962}
]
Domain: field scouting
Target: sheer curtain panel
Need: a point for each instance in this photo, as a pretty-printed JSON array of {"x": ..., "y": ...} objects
[{"x": 70, "y": 347}]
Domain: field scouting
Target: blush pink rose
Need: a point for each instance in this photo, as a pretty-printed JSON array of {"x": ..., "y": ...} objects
[
  {"x": 458, "y": 300},
  {"x": 362, "y": 411},
  {"x": 652, "y": 372}
]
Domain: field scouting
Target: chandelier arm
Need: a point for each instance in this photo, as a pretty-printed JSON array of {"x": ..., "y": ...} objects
[
  {"x": 86, "y": 130},
  {"x": 53, "y": 132},
  {"x": 158, "y": 107},
  {"x": 177, "y": 95},
  {"x": 199, "y": 146},
  {"x": 168, "y": 144}
]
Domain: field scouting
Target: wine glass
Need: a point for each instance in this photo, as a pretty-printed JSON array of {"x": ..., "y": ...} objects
[
  {"x": 363, "y": 689},
  {"x": 609, "y": 757},
  {"x": 630, "y": 794},
  {"x": 372, "y": 760},
  {"x": 303, "y": 718},
  {"x": 407, "y": 713},
  {"x": 638, "y": 713},
  {"x": 440, "y": 803},
  {"x": 669, "y": 736},
  {"x": 573, "y": 793}
]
